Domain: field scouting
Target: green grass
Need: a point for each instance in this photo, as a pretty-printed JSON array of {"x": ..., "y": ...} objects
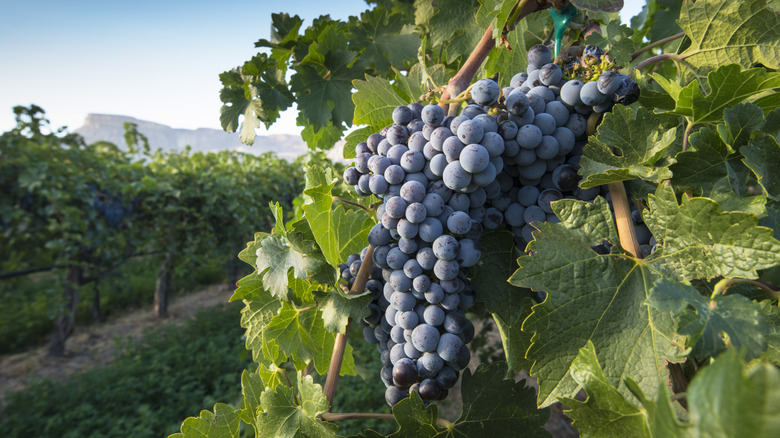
[{"x": 148, "y": 391}]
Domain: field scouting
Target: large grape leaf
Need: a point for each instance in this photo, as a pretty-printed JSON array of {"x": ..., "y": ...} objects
[
  {"x": 284, "y": 35},
  {"x": 640, "y": 139},
  {"x": 452, "y": 24},
  {"x": 222, "y": 423},
  {"x": 712, "y": 325},
  {"x": 588, "y": 298},
  {"x": 301, "y": 335},
  {"x": 257, "y": 91},
  {"x": 709, "y": 168},
  {"x": 374, "y": 102},
  {"x": 338, "y": 231},
  {"x": 726, "y": 31},
  {"x": 289, "y": 414},
  {"x": 728, "y": 86},
  {"x": 337, "y": 308},
  {"x": 493, "y": 406},
  {"x": 387, "y": 39},
  {"x": 701, "y": 241},
  {"x": 606, "y": 412},
  {"x": 591, "y": 219},
  {"x": 323, "y": 80}
]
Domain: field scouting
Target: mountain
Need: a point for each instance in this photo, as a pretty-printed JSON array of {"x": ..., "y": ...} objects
[{"x": 109, "y": 127}]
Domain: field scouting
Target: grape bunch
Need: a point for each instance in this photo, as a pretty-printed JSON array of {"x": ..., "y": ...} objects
[{"x": 443, "y": 181}]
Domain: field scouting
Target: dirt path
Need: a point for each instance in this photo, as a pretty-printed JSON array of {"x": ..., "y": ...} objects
[{"x": 94, "y": 345}]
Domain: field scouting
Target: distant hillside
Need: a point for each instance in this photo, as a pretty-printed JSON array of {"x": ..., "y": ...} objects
[{"x": 108, "y": 127}]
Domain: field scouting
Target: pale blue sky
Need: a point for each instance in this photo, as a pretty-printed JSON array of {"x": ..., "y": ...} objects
[{"x": 153, "y": 60}]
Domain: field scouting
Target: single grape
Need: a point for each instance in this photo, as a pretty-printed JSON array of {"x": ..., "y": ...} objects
[
  {"x": 430, "y": 229},
  {"x": 609, "y": 82},
  {"x": 529, "y": 136},
  {"x": 517, "y": 104},
  {"x": 468, "y": 253},
  {"x": 425, "y": 338},
  {"x": 474, "y": 158},
  {"x": 534, "y": 213},
  {"x": 539, "y": 55},
  {"x": 402, "y": 115},
  {"x": 412, "y": 161},
  {"x": 432, "y": 115},
  {"x": 394, "y": 395},
  {"x": 590, "y": 94},
  {"x": 485, "y": 92},
  {"x": 550, "y": 74},
  {"x": 565, "y": 177},
  {"x": 455, "y": 177},
  {"x": 446, "y": 269},
  {"x": 570, "y": 92},
  {"x": 546, "y": 197},
  {"x": 548, "y": 148},
  {"x": 470, "y": 132}
]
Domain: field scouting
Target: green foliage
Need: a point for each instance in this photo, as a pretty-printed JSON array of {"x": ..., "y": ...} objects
[
  {"x": 611, "y": 324},
  {"x": 149, "y": 387}
]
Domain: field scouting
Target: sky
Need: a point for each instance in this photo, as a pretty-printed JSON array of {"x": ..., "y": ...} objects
[{"x": 153, "y": 60}]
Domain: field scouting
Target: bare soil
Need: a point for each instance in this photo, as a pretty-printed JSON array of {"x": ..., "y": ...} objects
[{"x": 94, "y": 345}]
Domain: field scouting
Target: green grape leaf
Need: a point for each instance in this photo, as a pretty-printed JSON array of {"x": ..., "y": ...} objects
[
  {"x": 762, "y": 156},
  {"x": 257, "y": 313},
  {"x": 701, "y": 241},
  {"x": 509, "y": 304},
  {"x": 252, "y": 387},
  {"x": 713, "y": 325},
  {"x": 641, "y": 140},
  {"x": 728, "y": 86},
  {"x": 247, "y": 287},
  {"x": 772, "y": 353},
  {"x": 272, "y": 375},
  {"x": 606, "y": 412},
  {"x": 297, "y": 332},
  {"x": 285, "y": 416},
  {"x": 725, "y": 31},
  {"x": 323, "y": 139},
  {"x": 451, "y": 24},
  {"x": 741, "y": 122},
  {"x": 709, "y": 168},
  {"x": 514, "y": 340},
  {"x": 507, "y": 63},
  {"x": 337, "y": 308},
  {"x": 588, "y": 298},
  {"x": 497, "y": 263},
  {"x": 353, "y": 138},
  {"x": 249, "y": 254},
  {"x": 374, "y": 102},
  {"x": 222, "y": 423},
  {"x": 495, "y": 406},
  {"x": 414, "y": 83},
  {"x": 387, "y": 39},
  {"x": 323, "y": 80},
  {"x": 415, "y": 419},
  {"x": 492, "y": 406},
  {"x": 592, "y": 219},
  {"x": 257, "y": 91},
  {"x": 599, "y": 5},
  {"x": 276, "y": 257},
  {"x": 728, "y": 398},
  {"x": 616, "y": 41},
  {"x": 284, "y": 35},
  {"x": 338, "y": 231}
]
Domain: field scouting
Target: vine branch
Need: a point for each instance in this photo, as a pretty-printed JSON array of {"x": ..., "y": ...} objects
[
  {"x": 340, "y": 344},
  {"x": 656, "y": 44},
  {"x": 657, "y": 58}
]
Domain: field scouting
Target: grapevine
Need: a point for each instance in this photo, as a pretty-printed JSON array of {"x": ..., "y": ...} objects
[{"x": 613, "y": 214}]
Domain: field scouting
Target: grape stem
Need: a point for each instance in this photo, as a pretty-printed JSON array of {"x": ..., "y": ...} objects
[
  {"x": 687, "y": 133},
  {"x": 341, "y": 339},
  {"x": 658, "y": 58},
  {"x": 625, "y": 223},
  {"x": 644, "y": 49},
  {"x": 331, "y": 416},
  {"x": 463, "y": 77}
]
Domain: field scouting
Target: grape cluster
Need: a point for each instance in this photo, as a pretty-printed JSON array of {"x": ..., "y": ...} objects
[
  {"x": 443, "y": 181},
  {"x": 111, "y": 207}
]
